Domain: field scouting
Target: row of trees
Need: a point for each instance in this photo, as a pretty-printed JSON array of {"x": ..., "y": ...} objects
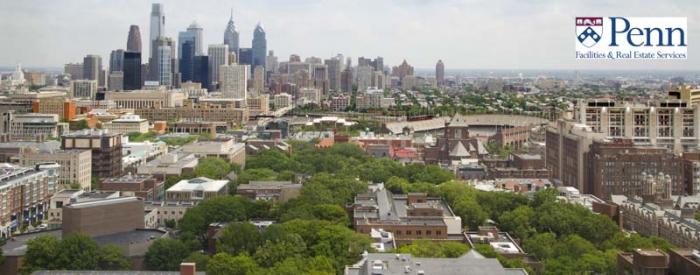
[{"x": 73, "y": 252}]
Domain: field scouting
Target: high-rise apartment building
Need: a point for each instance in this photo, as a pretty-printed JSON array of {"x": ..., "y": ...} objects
[
  {"x": 259, "y": 79},
  {"x": 334, "y": 69},
  {"x": 106, "y": 150},
  {"x": 83, "y": 88},
  {"x": 233, "y": 81},
  {"x": 218, "y": 55}
]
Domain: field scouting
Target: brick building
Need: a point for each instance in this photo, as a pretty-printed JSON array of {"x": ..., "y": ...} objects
[
  {"x": 146, "y": 187},
  {"x": 106, "y": 150}
]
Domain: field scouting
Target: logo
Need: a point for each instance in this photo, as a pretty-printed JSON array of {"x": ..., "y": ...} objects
[
  {"x": 640, "y": 38},
  {"x": 589, "y": 30}
]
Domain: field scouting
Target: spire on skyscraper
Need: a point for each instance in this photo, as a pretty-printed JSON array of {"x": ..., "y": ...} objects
[{"x": 231, "y": 35}]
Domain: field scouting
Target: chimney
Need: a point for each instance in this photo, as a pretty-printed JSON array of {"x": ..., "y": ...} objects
[{"x": 188, "y": 269}]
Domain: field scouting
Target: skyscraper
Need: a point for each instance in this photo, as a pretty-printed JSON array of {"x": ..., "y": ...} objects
[
  {"x": 157, "y": 26},
  {"x": 271, "y": 62},
  {"x": 92, "y": 67},
  {"x": 162, "y": 67},
  {"x": 231, "y": 35},
  {"x": 200, "y": 70},
  {"x": 259, "y": 79},
  {"x": 334, "y": 68},
  {"x": 194, "y": 34},
  {"x": 132, "y": 71},
  {"x": 116, "y": 61},
  {"x": 133, "y": 43},
  {"x": 440, "y": 73},
  {"x": 218, "y": 55},
  {"x": 187, "y": 60},
  {"x": 233, "y": 81},
  {"x": 245, "y": 56},
  {"x": 259, "y": 46}
]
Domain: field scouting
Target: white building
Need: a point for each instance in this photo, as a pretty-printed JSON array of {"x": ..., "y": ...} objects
[
  {"x": 197, "y": 189},
  {"x": 76, "y": 165},
  {"x": 127, "y": 124},
  {"x": 310, "y": 95},
  {"x": 282, "y": 100},
  {"x": 83, "y": 89},
  {"x": 233, "y": 81},
  {"x": 218, "y": 55},
  {"x": 34, "y": 124}
]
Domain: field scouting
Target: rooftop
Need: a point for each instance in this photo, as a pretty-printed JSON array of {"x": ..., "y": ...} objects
[
  {"x": 402, "y": 264},
  {"x": 198, "y": 184}
]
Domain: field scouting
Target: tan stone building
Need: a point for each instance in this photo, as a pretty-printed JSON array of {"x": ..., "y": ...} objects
[
  {"x": 76, "y": 165},
  {"x": 146, "y": 99}
]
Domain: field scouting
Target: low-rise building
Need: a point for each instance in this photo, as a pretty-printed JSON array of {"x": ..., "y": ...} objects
[
  {"x": 34, "y": 124},
  {"x": 169, "y": 210},
  {"x": 127, "y": 124},
  {"x": 197, "y": 189},
  {"x": 76, "y": 165},
  {"x": 471, "y": 263},
  {"x": 647, "y": 261},
  {"x": 226, "y": 149},
  {"x": 146, "y": 187},
  {"x": 24, "y": 195},
  {"x": 69, "y": 196},
  {"x": 279, "y": 191},
  {"x": 171, "y": 164},
  {"x": 409, "y": 217}
]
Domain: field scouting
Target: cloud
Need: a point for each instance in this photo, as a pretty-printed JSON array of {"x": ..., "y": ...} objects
[{"x": 500, "y": 34}]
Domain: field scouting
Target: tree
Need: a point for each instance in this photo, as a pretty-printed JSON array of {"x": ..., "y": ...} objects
[
  {"x": 111, "y": 258},
  {"x": 219, "y": 209},
  {"x": 518, "y": 221},
  {"x": 248, "y": 175},
  {"x": 540, "y": 245},
  {"x": 278, "y": 250},
  {"x": 423, "y": 248},
  {"x": 225, "y": 264},
  {"x": 239, "y": 237},
  {"x": 201, "y": 260},
  {"x": 213, "y": 168},
  {"x": 166, "y": 254},
  {"x": 77, "y": 252},
  {"x": 41, "y": 254}
]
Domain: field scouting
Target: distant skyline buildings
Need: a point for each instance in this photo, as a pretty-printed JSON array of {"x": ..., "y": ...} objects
[
  {"x": 259, "y": 46},
  {"x": 231, "y": 37},
  {"x": 133, "y": 42},
  {"x": 544, "y": 41},
  {"x": 194, "y": 33},
  {"x": 157, "y": 27},
  {"x": 440, "y": 73}
]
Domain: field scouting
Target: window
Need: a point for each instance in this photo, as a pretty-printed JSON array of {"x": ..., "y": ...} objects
[
  {"x": 418, "y": 232},
  {"x": 428, "y": 232},
  {"x": 408, "y": 232},
  {"x": 438, "y": 232}
]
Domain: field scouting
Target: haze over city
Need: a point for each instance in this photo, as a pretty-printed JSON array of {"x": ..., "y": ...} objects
[{"x": 504, "y": 34}]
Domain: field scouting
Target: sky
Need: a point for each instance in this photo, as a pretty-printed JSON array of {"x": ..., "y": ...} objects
[{"x": 465, "y": 34}]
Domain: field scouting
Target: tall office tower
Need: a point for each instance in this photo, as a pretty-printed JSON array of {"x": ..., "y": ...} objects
[
  {"x": 259, "y": 46},
  {"x": 132, "y": 71},
  {"x": 194, "y": 34},
  {"x": 362, "y": 61},
  {"x": 294, "y": 58},
  {"x": 133, "y": 43},
  {"x": 162, "y": 67},
  {"x": 218, "y": 55},
  {"x": 245, "y": 56},
  {"x": 75, "y": 70},
  {"x": 334, "y": 68},
  {"x": 440, "y": 73},
  {"x": 402, "y": 70},
  {"x": 346, "y": 79},
  {"x": 320, "y": 77},
  {"x": 116, "y": 61},
  {"x": 200, "y": 70},
  {"x": 157, "y": 27},
  {"x": 271, "y": 61},
  {"x": 233, "y": 81},
  {"x": 259, "y": 79},
  {"x": 231, "y": 35},
  {"x": 364, "y": 77},
  {"x": 187, "y": 53},
  {"x": 92, "y": 66},
  {"x": 378, "y": 64}
]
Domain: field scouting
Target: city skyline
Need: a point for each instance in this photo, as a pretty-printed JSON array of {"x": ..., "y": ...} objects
[{"x": 531, "y": 35}]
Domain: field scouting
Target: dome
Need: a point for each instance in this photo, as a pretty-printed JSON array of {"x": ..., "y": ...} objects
[{"x": 194, "y": 25}]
